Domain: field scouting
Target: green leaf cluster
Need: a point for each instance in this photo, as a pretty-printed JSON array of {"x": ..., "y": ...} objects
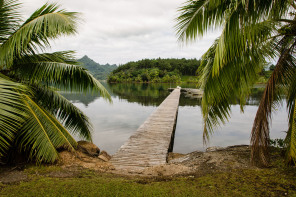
[{"x": 34, "y": 118}]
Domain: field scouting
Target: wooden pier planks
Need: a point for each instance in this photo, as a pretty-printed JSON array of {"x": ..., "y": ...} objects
[{"x": 150, "y": 144}]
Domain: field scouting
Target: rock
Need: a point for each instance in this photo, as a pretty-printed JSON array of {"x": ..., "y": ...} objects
[
  {"x": 66, "y": 157},
  {"x": 88, "y": 148},
  {"x": 214, "y": 148},
  {"x": 102, "y": 157},
  {"x": 105, "y": 155}
]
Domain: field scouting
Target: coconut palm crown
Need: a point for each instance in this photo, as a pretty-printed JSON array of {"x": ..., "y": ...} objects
[
  {"x": 34, "y": 118},
  {"x": 252, "y": 32}
]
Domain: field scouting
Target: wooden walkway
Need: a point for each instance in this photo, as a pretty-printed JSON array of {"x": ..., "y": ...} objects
[{"x": 150, "y": 144}]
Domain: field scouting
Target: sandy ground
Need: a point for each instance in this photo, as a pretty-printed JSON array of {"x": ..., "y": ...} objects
[
  {"x": 195, "y": 163},
  {"x": 198, "y": 163}
]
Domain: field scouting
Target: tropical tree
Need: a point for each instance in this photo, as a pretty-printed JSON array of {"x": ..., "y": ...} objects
[
  {"x": 34, "y": 117},
  {"x": 252, "y": 31}
]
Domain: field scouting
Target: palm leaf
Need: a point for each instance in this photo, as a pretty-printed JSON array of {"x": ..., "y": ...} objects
[
  {"x": 232, "y": 85},
  {"x": 33, "y": 116},
  {"x": 12, "y": 116},
  {"x": 43, "y": 134},
  {"x": 46, "y": 23},
  {"x": 69, "y": 115},
  {"x": 9, "y": 18},
  {"x": 58, "y": 70},
  {"x": 230, "y": 66}
]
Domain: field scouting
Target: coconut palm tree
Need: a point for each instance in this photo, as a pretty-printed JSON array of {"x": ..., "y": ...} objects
[
  {"x": 252, "y": 31},
  {"x": 34, "y": 117}
]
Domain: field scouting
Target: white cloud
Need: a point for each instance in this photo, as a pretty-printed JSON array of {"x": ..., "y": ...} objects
[{"x": 119, "y": 31}]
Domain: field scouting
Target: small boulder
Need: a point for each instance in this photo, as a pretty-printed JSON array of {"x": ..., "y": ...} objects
[
  {"x": 214, "y": 148},
  {"x": 88, "y": 148},
  {"x": 104, "y": 156}
]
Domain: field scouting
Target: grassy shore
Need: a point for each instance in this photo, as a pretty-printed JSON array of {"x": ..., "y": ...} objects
[
  {"x": 277, "y": 180},
  {"x": 266, "y": 182}
]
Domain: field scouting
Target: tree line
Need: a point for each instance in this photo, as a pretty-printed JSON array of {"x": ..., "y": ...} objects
[{"x": 154, "y": 70}]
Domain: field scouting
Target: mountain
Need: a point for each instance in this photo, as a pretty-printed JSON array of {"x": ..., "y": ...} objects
[{"x": 99, "y": 71}]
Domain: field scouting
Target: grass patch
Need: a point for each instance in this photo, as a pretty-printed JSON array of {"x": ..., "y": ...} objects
[
  {"x": 262, "y": 182},
  {"x": 42, "y": 169}
]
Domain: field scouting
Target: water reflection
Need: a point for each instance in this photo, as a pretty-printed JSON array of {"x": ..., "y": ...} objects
[
  {"x": 133, "y": 103},
  {"x": 149, "y": 94}
]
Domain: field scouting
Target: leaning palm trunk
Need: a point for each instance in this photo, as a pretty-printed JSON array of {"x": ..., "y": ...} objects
[
  {"x": 260, "y": 130},
  {"x": 35, "y": 118}
]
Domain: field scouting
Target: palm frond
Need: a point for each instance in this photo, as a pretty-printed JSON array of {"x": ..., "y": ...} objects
[
  {"x": 46, "y": 23},
  {"x": 59, "y": 70},
  {"x": 33, "y": 117},
  {"x": 231, "y": 86},
  {"x": 69, "y": 115},
  {"x": 9, "y": 18},
  {"x": 229, "y": 67},
  {"x": 12, "y": 116},
  {"x": 196, "y": 17},
  {"x": 42, "y": 134}
]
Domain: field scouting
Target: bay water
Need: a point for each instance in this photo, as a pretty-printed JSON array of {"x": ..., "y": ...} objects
[{"x": 113, "y": 123}]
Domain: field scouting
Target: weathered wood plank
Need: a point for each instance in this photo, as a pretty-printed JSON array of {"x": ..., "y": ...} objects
[{"x": 150, "y": 144}]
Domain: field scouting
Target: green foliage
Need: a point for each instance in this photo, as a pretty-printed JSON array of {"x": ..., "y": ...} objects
[
  {"x": 252, "y": 32},
  {"x": 35, "y": 119},
  {"x": 154, "y": 71},
  {"x": 97, "y": 70}
]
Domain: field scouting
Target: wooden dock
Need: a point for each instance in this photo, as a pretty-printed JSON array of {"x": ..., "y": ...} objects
[{"x": 150, "y": 144}]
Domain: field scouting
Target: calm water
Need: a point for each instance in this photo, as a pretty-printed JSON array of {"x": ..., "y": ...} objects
[{"x": 133, "y": 103}]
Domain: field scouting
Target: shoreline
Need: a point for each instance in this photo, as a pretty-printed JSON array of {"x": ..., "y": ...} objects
[
  {"x": 212, "y": 159},
  {"x": 223, "y": 172}
]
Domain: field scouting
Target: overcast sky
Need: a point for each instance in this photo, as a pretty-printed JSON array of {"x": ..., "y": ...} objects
[{"x": 119, "y": 31}]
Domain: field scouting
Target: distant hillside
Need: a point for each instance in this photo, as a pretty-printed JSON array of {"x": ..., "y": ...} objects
[
  {"x": 155, "y": 71},
  {"x": 99, "y": 71}
]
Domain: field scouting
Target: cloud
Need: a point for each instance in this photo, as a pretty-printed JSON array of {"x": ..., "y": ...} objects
[{"x": 119, "y": 31}]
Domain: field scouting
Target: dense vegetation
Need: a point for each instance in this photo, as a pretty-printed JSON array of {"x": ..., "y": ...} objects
[
  {"x": 35, "y": 120},
  {"x": 155, "y": 71},
  {"x": 99, "y": 71},
  {"x": 253, "y": 31}
]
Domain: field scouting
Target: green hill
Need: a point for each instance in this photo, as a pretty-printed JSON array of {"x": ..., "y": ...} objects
[{"x": 99, "y": 71}]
